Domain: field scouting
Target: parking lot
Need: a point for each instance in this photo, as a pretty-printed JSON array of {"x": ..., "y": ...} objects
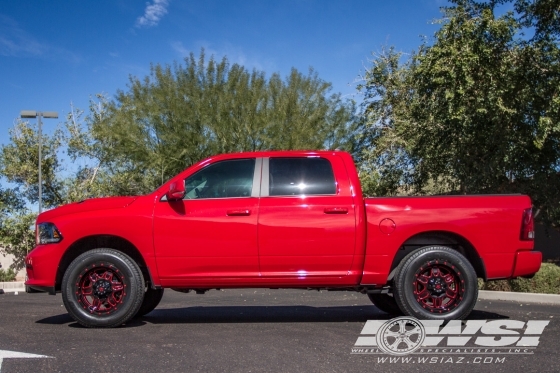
[{"x": 235, "y": 331}]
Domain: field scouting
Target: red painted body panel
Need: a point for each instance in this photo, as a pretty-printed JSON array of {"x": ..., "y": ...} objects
[
  {"x": 490, "y": 223},
  {"x": 290, "y": 241},
  {"x": 196, "y": 239},
  {"x": 132, "y": 222},
  {"x": 316, "y": 244}
]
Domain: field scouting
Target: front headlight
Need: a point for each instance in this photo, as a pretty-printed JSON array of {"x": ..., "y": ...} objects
[{"x": 47, "y": 233}]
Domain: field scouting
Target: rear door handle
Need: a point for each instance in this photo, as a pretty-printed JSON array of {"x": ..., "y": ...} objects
[
  {"x": 238, "y": 212},
  {"x": 336, "y": 210}
]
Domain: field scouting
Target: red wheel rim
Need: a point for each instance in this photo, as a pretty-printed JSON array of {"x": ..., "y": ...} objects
[
  {"x": 439, "y": 286},
  {"x": 101, "y": 289}
]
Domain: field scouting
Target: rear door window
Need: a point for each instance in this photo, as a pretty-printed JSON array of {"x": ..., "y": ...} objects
[{"x": 301, "y": 176}]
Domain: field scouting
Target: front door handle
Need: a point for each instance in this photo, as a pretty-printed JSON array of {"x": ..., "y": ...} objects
[
  {"x": 239, "y": 212},
  {"x": 336, "y": 210}
]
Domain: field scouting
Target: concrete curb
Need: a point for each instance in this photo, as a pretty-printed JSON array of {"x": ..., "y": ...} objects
[
  {"x": 12, "y": 287},
  {"x": 519, "y": 297}
]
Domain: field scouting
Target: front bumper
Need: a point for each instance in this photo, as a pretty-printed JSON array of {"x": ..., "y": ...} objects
[
  {"x": 527, "y": 263},
  {"x": 41, "y": 265}
]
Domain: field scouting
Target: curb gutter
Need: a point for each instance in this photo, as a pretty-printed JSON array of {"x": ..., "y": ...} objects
[{"x": 519, "y": 297}]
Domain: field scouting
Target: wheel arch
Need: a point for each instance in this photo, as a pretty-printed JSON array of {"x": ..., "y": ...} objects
[
  {"x": 443, "y": 238},
  {"x": 101, "y": 241}
]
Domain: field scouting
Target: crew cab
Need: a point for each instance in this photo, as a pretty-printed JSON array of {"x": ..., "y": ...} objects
[{"x": 289, "y": 219}]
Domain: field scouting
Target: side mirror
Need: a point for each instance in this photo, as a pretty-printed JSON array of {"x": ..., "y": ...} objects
[{"x": 176, "y": 191}]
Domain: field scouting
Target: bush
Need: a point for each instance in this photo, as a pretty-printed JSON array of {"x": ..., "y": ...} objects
[
  {"x": 546, "y": 280},
  {"x": 7, "y": 275}
]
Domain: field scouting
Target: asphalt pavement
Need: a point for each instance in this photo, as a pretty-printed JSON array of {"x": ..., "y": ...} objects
[{"x": 242, "y": 330}]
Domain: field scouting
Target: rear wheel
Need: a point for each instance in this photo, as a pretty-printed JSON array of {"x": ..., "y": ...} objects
[
  {"x": 386, "y": 303},
  {"x": 436, "y": 282},
  {"x": 102, "y": 288},
  {"x": 152, "y": 297}
]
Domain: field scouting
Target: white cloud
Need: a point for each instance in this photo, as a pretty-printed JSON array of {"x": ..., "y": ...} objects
[
  {"x": 16, "y": 42},
  {"x": 180, "y": 48},
  {"x": 153, "y": 13}
]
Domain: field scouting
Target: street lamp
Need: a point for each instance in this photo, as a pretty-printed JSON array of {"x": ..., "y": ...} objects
[{"x": 39, "y": 115}]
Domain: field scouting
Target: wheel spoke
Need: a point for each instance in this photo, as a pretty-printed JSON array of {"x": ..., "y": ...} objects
[
  {"x": 108, "y": 275},
  {"x": 416, "y": 330},
  {"x": 423, "y": 294},
  {"x": 449, "y": 278},
  {"x": 451, "y": 293},
  {"x": 436, "y": 302},
  {"x": 87, "y": 290},
  {"x": 96, "y": 305},
  {"x": 408, "y": 342},
  {"x": 112, "y": 300},
  {"x": 423, "y": 279},
  {"x": 117, "y": 286},
  {"x": 390, "y": 333},
  {"x": 93, "y": 277},
  {"x": 402, "y": 326},
  {"x": 393, "y": 346},
  {"x": 435, "y": 272}
]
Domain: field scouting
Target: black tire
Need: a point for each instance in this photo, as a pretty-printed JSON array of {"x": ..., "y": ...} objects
[
  {"x": 152, "y": 297},
  {"x": 102, "y": 288},
  {"x": 436, "y": 282},
  {"x": 386, "y": 303}
]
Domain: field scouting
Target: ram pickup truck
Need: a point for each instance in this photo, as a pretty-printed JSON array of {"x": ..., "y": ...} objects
[{"x": 290, "y": 219}]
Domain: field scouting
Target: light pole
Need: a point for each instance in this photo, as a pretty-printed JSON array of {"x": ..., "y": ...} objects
[{"x": 39, "y": 115}]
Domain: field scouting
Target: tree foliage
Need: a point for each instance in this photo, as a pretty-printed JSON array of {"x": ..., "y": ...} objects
[
  {"x": 17, "y": 237},
  {"x": 475, "y": 111},
  {"x": 19, "y": 160},
  {"x": 7, "y": 275},
  {"x": 183, "y": 113}
]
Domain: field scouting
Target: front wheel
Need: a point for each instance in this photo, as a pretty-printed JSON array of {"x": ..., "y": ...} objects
[
  {"x": 102, "y": 288},
  {"x": 436, "y": 282}
]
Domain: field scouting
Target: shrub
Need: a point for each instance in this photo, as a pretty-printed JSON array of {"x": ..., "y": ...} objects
[
  {"x": 7, "y": 275},
  {"x": 546, "y": 280}
]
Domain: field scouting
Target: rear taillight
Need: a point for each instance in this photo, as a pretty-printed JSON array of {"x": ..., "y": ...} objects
[{"x": 527, "y": 226}]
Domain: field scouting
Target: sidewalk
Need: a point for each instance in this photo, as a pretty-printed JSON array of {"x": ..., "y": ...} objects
[
  {"x": 519, "y": 297},
  {"x": 11, "y": 287}
]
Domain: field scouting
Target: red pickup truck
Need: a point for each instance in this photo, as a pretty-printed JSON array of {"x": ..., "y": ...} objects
[{"x": 290, "y": 219}]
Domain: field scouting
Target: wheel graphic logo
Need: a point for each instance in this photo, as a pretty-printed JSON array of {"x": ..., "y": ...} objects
[{"x": 400, "y": 336}]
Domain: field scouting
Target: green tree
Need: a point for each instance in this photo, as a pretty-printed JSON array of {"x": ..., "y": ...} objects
[
  {"x": 17, "y": 237},
  {"x": 183, "y": 113},
  {"x": 19, "y": 160},
  {"x": 476, "y": 111}
]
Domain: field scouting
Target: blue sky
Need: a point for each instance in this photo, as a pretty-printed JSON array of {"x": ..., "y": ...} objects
[{"x": 53, "y": 53}]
